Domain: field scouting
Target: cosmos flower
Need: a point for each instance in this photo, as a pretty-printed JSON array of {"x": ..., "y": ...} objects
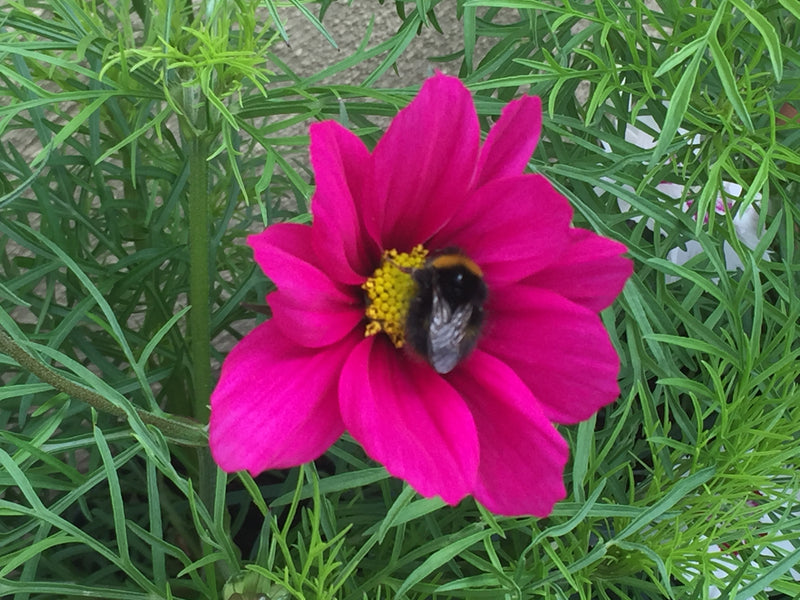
[
  {"x": 745, "y": 222},
  {"x": 334, "y": 357},
  {"x": 745, "y": 226}
]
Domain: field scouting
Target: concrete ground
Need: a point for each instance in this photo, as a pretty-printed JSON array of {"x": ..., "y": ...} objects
[{"x": 348, "y": 22}]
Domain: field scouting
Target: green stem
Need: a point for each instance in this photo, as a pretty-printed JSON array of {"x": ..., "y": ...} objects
[
  {"x": 172, "y": 427},
  {"x": 199, "y": 268}
]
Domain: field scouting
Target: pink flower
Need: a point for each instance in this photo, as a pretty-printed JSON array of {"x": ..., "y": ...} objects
[{"x": 320, "y": 366}]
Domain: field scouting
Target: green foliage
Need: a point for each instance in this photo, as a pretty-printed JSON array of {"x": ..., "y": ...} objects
[{"x": 148, "y": 117}]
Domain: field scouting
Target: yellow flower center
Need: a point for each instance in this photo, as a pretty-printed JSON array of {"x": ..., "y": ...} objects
[{"x": 389, "y": 293}]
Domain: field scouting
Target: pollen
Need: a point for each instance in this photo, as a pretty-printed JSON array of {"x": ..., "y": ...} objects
[{"x": 389, "y": 292}]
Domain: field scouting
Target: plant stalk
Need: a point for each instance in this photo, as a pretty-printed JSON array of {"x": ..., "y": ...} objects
[
  {"x": 199, "y": 269},
  {"x": 170, "y": 426}
]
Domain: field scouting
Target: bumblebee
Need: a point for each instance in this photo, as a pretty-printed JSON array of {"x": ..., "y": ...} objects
[{"x": 446, "y": 314}]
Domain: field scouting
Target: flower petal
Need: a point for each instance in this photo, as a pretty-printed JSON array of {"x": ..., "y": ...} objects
[
  {"x": 343, "y": 173},
  {"x": 424, "y": 163},
  {"x": 511, "y": 141},
  {"x": 311, "y": 328},
  {"x": 591, "y": 271},
  {"x": 410, "y": 420},
  {"x": 305, "y": 292},
  {"x": 510, "y": 227},
  {"x": 275, "y": 404},
  {"x": 558, "y": 348},
  {"x": 522, "y": 454},
  {"x": 747, "y": 228}
]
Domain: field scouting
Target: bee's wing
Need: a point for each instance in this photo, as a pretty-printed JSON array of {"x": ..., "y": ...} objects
[{"x": 446, "y": 332}]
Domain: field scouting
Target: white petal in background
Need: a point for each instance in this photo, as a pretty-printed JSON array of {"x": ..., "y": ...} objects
[
  {"x": 745, "y": 226},
  {"x": 745, "y": 222}
]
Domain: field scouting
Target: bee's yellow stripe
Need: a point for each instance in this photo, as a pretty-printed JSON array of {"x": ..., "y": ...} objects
[{"x": 450, "y": 260}]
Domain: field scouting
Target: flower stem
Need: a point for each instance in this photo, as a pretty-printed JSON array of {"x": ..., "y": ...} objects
[
  {"x": 184, "y": 432},
  {"x": 199, "y": 268}
]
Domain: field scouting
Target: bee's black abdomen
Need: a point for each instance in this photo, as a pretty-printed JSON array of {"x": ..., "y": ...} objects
[{"x": 464, "y": 292}]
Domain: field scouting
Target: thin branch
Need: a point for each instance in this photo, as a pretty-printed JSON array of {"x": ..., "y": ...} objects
[{"x": 173, "y": 427}]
